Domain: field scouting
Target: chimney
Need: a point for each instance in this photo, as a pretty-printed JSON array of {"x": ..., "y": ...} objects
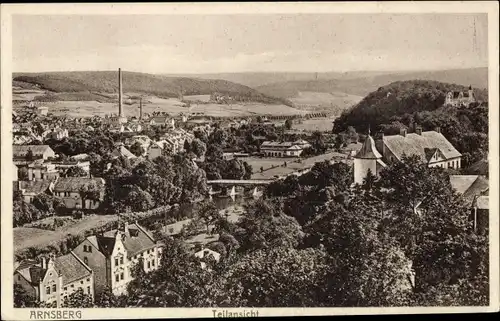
[
  {"x": 418, "y": 130},
  {"x": 44, "y": 262},
  {"x": 437, "y": 129},
  {"x": 402, "y": 132},
  {"x": 140, "y": 108},
  {"x": 120, "y": 107}
]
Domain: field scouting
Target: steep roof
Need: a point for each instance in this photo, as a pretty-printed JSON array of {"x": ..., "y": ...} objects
[
  {"x": 33, "y": 187},
  {"x": 135, "y": 241},
  {"x": 480, "y": 167},
  {"x": 71, "y": 268},
  {"x": 469, "y": 185},
  {"x": 31, "y": 271},
  {"x": 420, "y": 145},
  {"x": 22, "y": 150},
  {"x": 74, "y": 184},
  {"x": 122, "y": 151},
  {"x": 368, "y": 150}
]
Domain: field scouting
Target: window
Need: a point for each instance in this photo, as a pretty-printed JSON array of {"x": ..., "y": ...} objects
[
  {"x": 65, "y": 288},
  {"x": 65, "y": 297},
  {"x": 116, "y": 261},
  {"x": 54, "y": 288},
  {"x": 81, "y": 282},
  {"x": 72, "y": 285},
  {"x": 88, "y": 280},
  {"x": 88, "y": 289},
  {"x": 121, "y": 260},
  {"x": 117, "y": 278},
  {"x": 122, "y": 276},
  {"x": 47, "y": 290},
  {"x": 84, "y": 248},
  {"x": 149, "y": 264},
  {"x": 90, "y": 249},
  {"x": 153, "y": 263},
  {"x": 85, "y": 260}
]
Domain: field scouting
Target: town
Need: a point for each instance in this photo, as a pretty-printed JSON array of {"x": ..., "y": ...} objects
[
  {"x": 242, "y": 162},
  {"x": 69, "y": 171}
]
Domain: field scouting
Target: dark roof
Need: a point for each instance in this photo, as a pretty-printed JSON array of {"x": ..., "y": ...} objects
[
  {"x": 414, "y": 144},
  {"x": 22, "y": 150},
  {"x": 135, "y": 241},
  {"x": 74, "y": 184},
  {"x": 71, "y": 268},
  {"x": 34, "y": 187},
  {"x": 31, "y": 271},
  {"x": 368, "y": 150},
  {"x": 480, "y": 167},
  {"x": 469, "y": 186}
]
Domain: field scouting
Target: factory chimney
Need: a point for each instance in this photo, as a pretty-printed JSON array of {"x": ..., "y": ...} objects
[
  {"x": 120, "y": 107},
  {"x": 140, "y": 108}
]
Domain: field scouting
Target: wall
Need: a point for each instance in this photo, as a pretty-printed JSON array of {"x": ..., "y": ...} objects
[
  {"x": 96, "y": 261},
  {"x": 361, "y": 167},
  {"x": 85, "y": 283},
  {"x": 51, "y": 279},
  {"x": 120, "y": 286}
]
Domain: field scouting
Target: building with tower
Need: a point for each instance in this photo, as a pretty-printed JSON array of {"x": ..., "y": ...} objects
[
  {"x": 430, "y": 146},
  {"x": 460, "y": 98}
]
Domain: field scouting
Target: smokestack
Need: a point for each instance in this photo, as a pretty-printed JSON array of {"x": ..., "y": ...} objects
[
  {"x": 120, "y": 107},
  {"x": 140, "y": 108}
]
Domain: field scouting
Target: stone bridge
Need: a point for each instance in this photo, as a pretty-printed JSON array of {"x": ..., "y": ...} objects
[{"x": 233, "y": 187}]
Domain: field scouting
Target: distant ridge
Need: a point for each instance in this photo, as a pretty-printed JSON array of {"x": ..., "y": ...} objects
[{"x": 82, "y": 82}]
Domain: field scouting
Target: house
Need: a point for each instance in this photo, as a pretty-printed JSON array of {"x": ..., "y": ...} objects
[
  {"x": 80, "y": 192},
  {"x": 352, "y": 149},
  {"x": 42, "y": 111},
  {"x": 67, "y": 164},
  {"x": 474, "y": 189},
  {"x": 302, "y": 143},
  {"x": 460, "y": 98},
  {"x": 30, "y": 189},
  {"x": 40, "y": 170},
  {"x": 162, "y": 120},
  {"x": 55, "y": 278},
  {"x": 431, "y": 147},
  {"x": 121, "y": 151},
  {"x": 14, "y": 170},
  {"x": 155, "y": 150},
  {"x": 144, "y": 140},
  {"x": 39, "y": 151},
  {"x": 204, "y": 254},
  {"x": 80, "y": 157},
  {"x": 113, "y": 255},
  {"x": 58, "y": 133},
  {"x": 175, "y": 229},
  {"x": 280, "y": 149}
]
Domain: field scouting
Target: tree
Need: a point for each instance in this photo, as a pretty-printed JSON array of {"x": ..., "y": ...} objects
[
  {"x": 29, "y": 155},
  {"x": 277, "y": 277},
  {"x": 23, "y": 174},
  {"x": 288, "y": 124},
  {"x": 265, "y": 226},
  {"x": 209, "y": 213},
  {"x": 78, "y": 299},
  {"x": 137, "y": 149},
  {"x": 198, "y": 147},
  {"x": 23, "y": 299},
  {"x": 76, "y": 171}
]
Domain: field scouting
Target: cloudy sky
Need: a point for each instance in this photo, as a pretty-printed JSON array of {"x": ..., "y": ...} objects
[{"x": 238, "y": 43}]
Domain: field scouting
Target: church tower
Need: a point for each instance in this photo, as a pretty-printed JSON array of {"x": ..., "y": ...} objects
[{"x": 368, "y": 158}]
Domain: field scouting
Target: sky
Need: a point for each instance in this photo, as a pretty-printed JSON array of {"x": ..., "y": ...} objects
[{"x": 248, "y": 43}]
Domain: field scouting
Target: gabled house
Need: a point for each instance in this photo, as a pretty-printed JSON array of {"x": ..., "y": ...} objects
[
  {"x": 155, "y": 150},
  {"x": 40, "y": 170},
  {"x": 121, "y": 151},
  {"x": 30, "y": 189},
  {"x": 55, "y": 278},
  {"x": 39, "y": 151},
  {"x": 80, "y": 192},
  {"x": 207, "y": 254},
  {"x": 431, "y": 147},
  {"x": 280, "y": 149},
  {"x": 114, "y": 254}
]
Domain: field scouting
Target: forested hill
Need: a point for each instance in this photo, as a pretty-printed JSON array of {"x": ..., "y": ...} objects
[
  {"x": 403, "y": 105},
  {"x": 396, "y": 99},
  {"x": 160, "y": 86}
]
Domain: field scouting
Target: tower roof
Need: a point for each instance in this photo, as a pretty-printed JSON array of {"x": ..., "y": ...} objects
[{"x": 368, "y": 150}]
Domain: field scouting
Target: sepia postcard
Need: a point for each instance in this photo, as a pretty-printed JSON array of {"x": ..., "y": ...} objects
[{"x": 249, "y": 159}]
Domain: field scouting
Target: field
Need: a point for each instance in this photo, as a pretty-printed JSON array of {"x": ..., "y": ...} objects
[
  {"x": 322, "y": 124},
  {"x": 324, "y": 101},
  {"x": 172, "y": 106},
  {"x": 25, "y": 237},
  {"x": 292, "y": 165},
  {"x": 204, "y": 98}
]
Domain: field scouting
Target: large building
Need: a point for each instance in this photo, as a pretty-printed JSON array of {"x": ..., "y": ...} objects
[
  {"x": 280, "y": 149},
  {"x": 113, "y": 255},
  {"x": 38, "y": 151},
  {"x": 431, "y": 146},
  {"x": 460, "y": 98},
  {"x": 80, "y": 192},
  {"x": 55, "y": 278}
]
